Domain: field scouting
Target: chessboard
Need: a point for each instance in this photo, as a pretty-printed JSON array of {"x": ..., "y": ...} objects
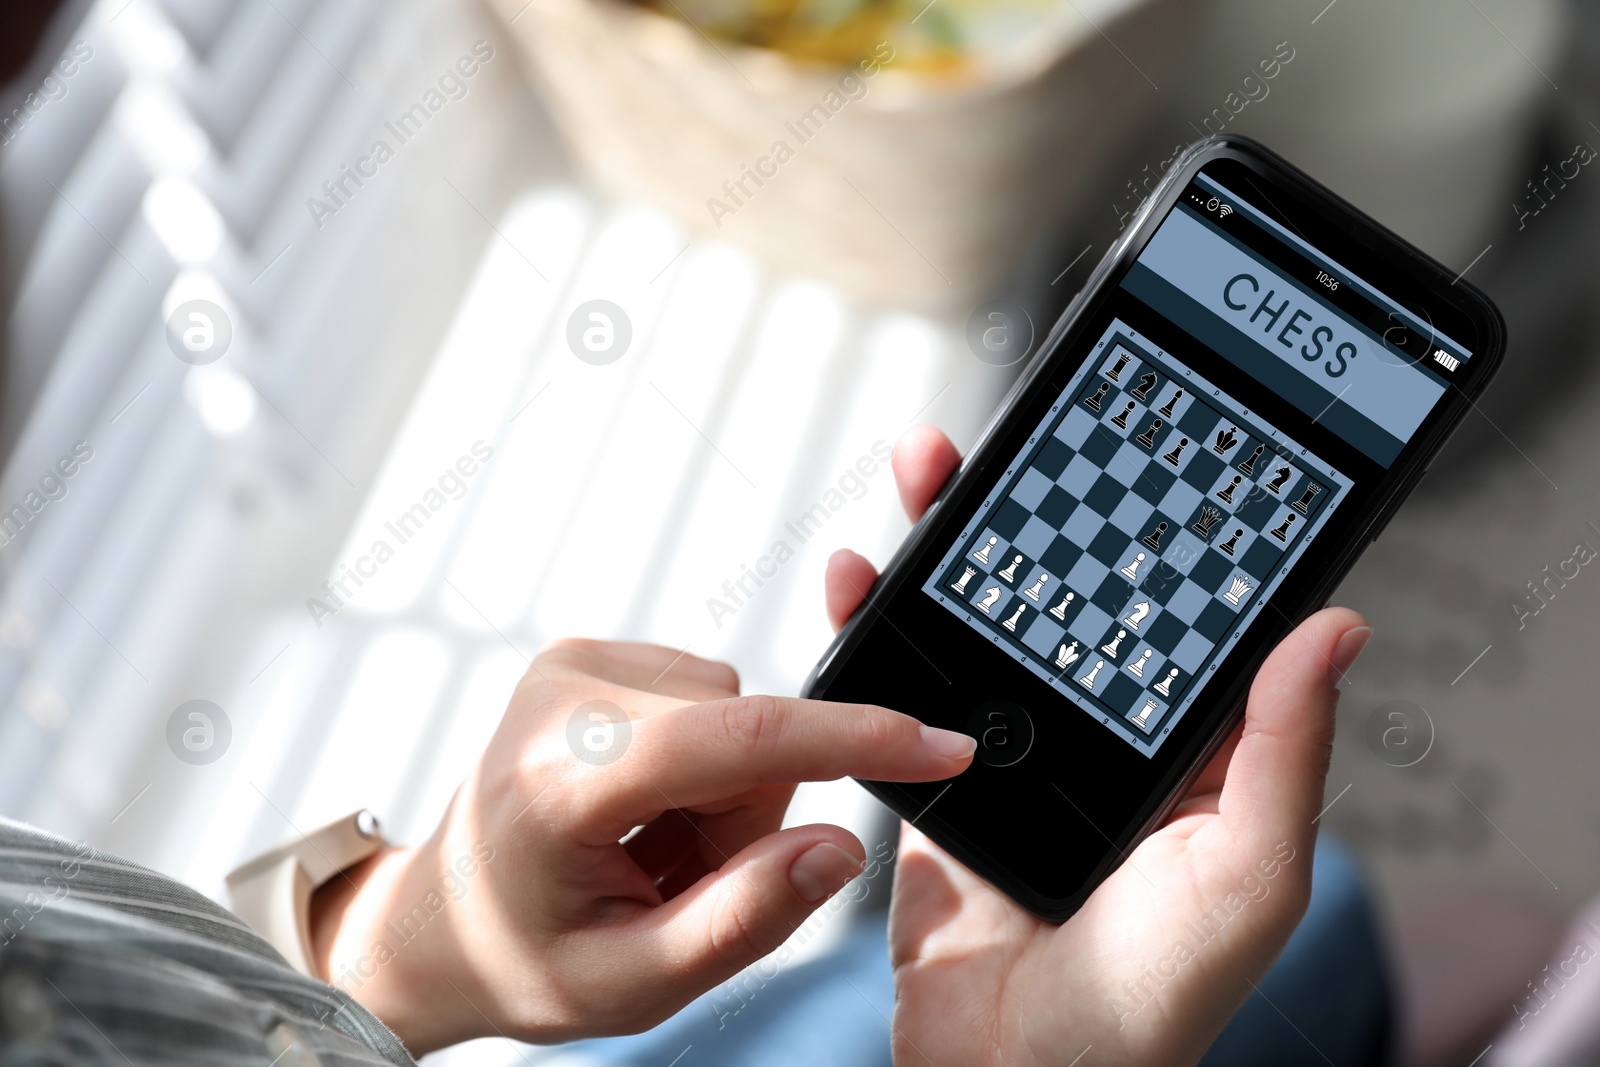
[{"x": 1126, "y": 550}]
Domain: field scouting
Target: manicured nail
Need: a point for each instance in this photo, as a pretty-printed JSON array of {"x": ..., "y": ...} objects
[
  {"x": 821, "y": 871},
  {"x": 950, "y": 744},
  {"x": 1346, "y": 651}
]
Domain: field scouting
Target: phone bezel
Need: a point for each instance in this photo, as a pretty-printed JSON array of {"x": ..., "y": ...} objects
[{"x": 1345, "y": 233}]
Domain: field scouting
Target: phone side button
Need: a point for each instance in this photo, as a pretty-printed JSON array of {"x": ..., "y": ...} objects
[{"x": 1004, "y": 732}]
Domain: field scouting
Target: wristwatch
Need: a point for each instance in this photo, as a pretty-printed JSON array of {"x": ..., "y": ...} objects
[{"x": 272, "y": 893}]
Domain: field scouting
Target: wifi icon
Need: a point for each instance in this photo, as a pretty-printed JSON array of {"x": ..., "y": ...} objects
[{"x": 1224, "y": 211}]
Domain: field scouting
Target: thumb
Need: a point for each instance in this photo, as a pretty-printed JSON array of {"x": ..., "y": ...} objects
[
  {"x": 747, "y": 908},
  {"x": 1275, "y": 779}
]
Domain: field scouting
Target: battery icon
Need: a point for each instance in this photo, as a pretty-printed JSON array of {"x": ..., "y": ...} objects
[{"x": 1445, "y": 359}]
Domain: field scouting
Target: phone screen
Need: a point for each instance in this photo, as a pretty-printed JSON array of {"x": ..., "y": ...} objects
[{"x": 1129, "y": 544}]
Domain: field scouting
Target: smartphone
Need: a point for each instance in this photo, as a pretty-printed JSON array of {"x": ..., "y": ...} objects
[{"x": 1250, "y": 384}]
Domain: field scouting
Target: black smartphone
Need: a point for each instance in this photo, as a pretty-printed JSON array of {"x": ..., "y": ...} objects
[{"x": 1251, "y": 382}]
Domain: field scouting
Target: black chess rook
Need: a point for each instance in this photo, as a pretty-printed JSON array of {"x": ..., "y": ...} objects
[
  {"x": 1115, "y": 373},
  {"x": 1303, "y": 505}
]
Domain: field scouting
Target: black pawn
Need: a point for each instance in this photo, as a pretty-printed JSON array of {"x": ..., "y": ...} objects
[
  {"x": 1226, "y": 496},
  {"x": 1166, "y": 411},
  {"x": 1249, "y": 465},
  {"x": 1227, "y": 547},
  {"x": 1177, "y": 452},
  {"x": 1281, "y": 532},
  {"x": 1148, "y": 438},
  {"x": 1093, "y": 402},
  {"x": 1153, "y": 538},
  {"x": 1121, "y": 421}
]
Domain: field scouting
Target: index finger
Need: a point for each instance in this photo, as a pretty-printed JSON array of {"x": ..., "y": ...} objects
[{"x": 702, "y": 753}]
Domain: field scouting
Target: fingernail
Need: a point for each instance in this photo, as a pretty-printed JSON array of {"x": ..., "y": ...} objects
[
  {"x": 1346, "y": 651},
  {"x": 950, "y": 744},
  {"x": 821, "y": 871}
]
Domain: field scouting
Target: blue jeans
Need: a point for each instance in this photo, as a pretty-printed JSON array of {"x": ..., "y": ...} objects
[{"x": 1328, "y": 993}]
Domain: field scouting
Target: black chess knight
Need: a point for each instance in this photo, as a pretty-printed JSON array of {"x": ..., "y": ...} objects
[
  {"x": 1279, "y": 477},
  {"x": 1147, "y": 382},
  {"x": 1093, "y": 402}
]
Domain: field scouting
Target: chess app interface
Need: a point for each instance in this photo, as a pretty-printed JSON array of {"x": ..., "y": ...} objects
[{"x": 1129, "y": 545}]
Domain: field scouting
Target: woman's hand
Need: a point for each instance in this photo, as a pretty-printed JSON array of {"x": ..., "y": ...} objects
[
  {"x": 1168, "y": 947},
  {"x": 527, "y": 914}
]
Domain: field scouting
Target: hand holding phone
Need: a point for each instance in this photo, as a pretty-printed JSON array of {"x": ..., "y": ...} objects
[{"x": 1165, "y": 949}]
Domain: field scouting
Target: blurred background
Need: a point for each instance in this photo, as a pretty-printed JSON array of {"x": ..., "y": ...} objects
[{"x": 527, "y": 293}]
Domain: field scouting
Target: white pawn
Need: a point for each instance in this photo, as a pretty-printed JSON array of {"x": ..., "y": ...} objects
[
  {"x": 1011, "y": 623},
  {"x": 1010, "y": 573},
  {"x": 1136, "y": 668},
  {"x": 1060, "y": 610},
  {"x": 1033, "y": 593},
  {"x": 988, "y": 600},
  {"x": 1164, "y": 687},
  {"x": 1067, "y": 656},
  {"x": 1111, "y": 646},
  {"x": 1131, "y": 571},
  {"x": 982, "y": 555},
  {"x": 961, "y": 586}
]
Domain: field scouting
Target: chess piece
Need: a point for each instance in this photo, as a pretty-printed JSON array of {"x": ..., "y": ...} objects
[
  {"x": 1226, "y": 496},
  {"x": 1032, "y": 593},
  {"x": 1227, "y": 547},
  {"x": 1209, "y": 517},
  {"x": 1166, "y": 409},
  {"x": 1136, "y": 668},
  {"x": 1115, "y": 373},
  {"x": 1237, "y": 589},
  {"x": 1093, "y": 402},
  {"x": 1060, "y": 610},
  {"x": 1164, "y": 687},
  {"x": 1153, "y": 538},
  {"x": 1281, "y": 531},
  {"x": 989, "y": 599},
  {"x": 1067, "y": 656},
  {"x": 1148, "y": 438},
  {"x": 1010, "y": 573},
  {"x": 1011, "y": 623},
  {"x": 1279, "y": 476},
  {"x": 1303, "y": 505},
  {"x": 1249, "y": 465},
  {"x": 1087, "y": 681},
  {"x": 1226, "y": 439},
  {"x": 1147, "y": 382},
  {"x": 1177, "y": 453},
  {"x": 961, "y": 586},
  {"x": 1137, "y": 615},
  {"x": 982, "y": 555},
  {"x": 1121, "y": 421},
  {"x": 1131, "y": 571},
  {"x": 1143, "y": 717},
  {"x": 1111, "y": 646}
]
